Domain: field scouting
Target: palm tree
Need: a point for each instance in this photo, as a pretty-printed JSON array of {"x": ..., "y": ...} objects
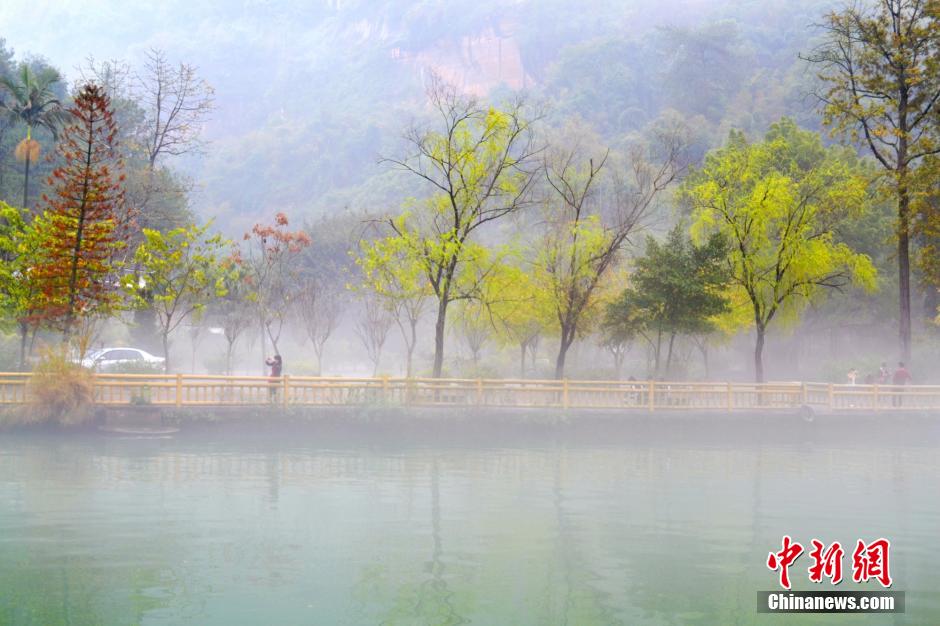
[{"x": 34, "y": 103}]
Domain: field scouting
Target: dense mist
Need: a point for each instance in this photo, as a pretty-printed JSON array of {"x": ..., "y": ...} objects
[
  {"x": 311, "y": 94},
  {"x": 309, "y": 109}
]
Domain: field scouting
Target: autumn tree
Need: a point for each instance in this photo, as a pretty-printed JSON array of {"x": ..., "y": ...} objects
[
  {"x": 589, "y": 219},
  {"x": 76, "y": 272},
  {"x": 878, "y": 66},
  {"x": 777, "y": 202},
  {"x": 182, "y": 271},
  {"x": 271, "y": 259},
  {"x": 479, "y": 165}
]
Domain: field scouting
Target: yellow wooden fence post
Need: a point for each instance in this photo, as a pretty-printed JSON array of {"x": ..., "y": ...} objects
[
  {"x": 479, "y": 391},
  {"x": 286, "y": 385},
  {"x": 876, "y": 400},
  {"x": 831, "y": 396},
  {"x": 385, "y": 390},
  {"x": 730, "y": 397},
  {"x": 179, "y": 390},
  {"x": 652, "y": 396},
  {"x": 564, "y": 393}
]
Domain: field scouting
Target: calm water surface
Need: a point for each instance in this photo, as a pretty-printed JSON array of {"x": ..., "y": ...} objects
[{"x": 225, "y": 529}]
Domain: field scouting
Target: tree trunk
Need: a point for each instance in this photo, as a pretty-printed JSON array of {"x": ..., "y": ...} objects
[
  {"x": 439, "y": 338},
  {"x": 567, "y": 338},
  {"x": 904, "y": 268},
  {"x": 318, "y": 350},
  {"x": 264, "y": 364},
  {"x": 26, "y": 182},
  {"x": 410, "y": 348},
  {"x": 759, "y": 355},
  {"x": 228, "y": 358},
  {"x": 672, "y": 339},
  {"x": 657, "y": 351},
  {"x": 24, "y": 331},
  {"x": 523, "y": 348},
  {"x": 166, "y": 352}
]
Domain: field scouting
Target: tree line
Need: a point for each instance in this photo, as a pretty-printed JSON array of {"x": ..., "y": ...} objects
[{"x": 521, "y": 229}]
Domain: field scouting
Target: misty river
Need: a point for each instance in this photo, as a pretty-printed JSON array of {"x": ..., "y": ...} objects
[{"x": 645, "y": 526}]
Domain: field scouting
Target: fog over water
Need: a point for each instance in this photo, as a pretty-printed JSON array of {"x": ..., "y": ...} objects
[
  {"x": 644, "y": 528},
  {"x": 442, "y": 312}
]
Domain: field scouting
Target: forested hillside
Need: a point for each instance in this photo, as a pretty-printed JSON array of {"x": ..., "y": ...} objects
[{"x": 309, "y": 95}]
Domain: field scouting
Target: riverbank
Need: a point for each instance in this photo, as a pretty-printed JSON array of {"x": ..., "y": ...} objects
[{"x": 502, "y": 425}]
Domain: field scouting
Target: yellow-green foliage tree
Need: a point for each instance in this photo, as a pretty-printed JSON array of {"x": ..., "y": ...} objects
[
  {"x": 478, "y": 167},
  {"x": 235, "y": 309},
  {"x": 776, "y": 202},
  {"x": 521, "y": 314},
  {"x": 395, "y": 274},
  {"x": 590, "y": 214},
  {"x": 183, "y": 270},
  {"x": 880, "y": 73},
  {"x": 20, "y": 243}
]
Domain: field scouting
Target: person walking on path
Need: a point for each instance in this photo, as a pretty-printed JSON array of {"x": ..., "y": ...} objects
[{"x": 901, "y": 378}]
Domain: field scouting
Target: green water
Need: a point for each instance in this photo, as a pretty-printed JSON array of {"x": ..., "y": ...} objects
[{"x": 219, "y": 529}]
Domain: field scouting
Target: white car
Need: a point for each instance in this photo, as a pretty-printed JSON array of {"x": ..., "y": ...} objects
[{"x": 108, "y": 359}]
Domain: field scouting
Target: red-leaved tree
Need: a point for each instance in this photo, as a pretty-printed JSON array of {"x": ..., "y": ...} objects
[
  {"x": 81, "y": 225},
  {"x": 271, "y": 262}
]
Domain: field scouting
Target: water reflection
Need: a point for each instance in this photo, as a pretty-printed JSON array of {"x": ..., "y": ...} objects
[{"x": 204, "y": 531}]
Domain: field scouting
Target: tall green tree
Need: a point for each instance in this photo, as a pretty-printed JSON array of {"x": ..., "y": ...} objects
[
  {"x": 32, "y": 101},
  {"x": 777, "y": 202},
  {"x": 676, "y": 288},
  {"x": 881, "y": 76},
  {"x": 927, "y": 228}
]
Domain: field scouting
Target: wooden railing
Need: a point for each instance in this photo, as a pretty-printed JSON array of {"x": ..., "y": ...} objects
[{"x": 184, "y": 390}]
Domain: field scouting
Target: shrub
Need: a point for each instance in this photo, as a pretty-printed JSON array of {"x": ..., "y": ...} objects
[{"x": 60, "y": 392}]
